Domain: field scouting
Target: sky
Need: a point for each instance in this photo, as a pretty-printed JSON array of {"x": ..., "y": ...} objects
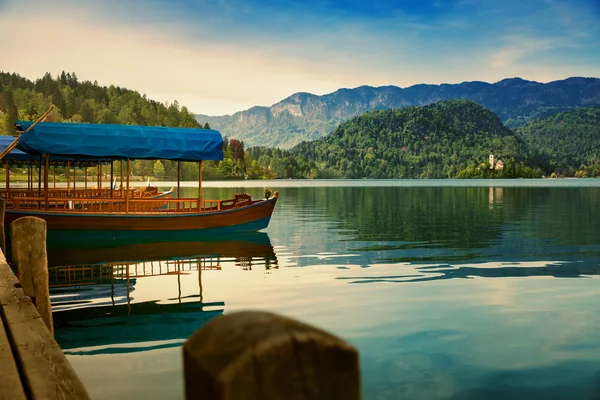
[{"x": 222, "y": 56}]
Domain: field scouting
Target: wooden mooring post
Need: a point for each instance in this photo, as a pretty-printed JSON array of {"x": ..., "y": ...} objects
[
  {"x": 28, "y": 244},
  {"x": 259, "y": 355}
]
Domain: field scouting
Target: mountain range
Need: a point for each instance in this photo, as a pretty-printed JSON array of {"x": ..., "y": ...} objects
[{"x": 305, "y": 117}]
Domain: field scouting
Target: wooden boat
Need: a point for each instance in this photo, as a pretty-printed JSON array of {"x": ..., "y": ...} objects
[{"x": 114, "y": 211}]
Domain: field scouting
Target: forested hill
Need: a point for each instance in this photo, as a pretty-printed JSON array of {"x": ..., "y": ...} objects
[
  {"x": 304, "y": 116},
  {"x": 435, "y": 141},
  {"x": 566, "y": 141},
  {"x": 83, "y": 101}
]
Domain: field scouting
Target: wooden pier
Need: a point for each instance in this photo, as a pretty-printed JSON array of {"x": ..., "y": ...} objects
[{"x": 32, "y": 365}]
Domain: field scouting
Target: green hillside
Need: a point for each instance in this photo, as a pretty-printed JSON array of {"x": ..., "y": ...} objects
[
  {"x": 565, "y": 142},
  {"x": 435, "y": 141},
  {"x": 83, "y": 101}
]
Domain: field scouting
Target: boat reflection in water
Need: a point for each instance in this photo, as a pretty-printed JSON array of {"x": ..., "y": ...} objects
[{"x": 93, "y": 291}]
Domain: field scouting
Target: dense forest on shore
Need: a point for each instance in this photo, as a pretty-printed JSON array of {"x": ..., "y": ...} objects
[
  {"x": 449, "y": 139},
  {"x": 566, "y": 143}
]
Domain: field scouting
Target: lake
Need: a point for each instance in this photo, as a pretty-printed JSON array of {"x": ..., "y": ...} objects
[{"x": 449, "y": 289}]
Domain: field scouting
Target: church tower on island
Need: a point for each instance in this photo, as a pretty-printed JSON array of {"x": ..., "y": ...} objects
[{"x": 491, "y": 159}]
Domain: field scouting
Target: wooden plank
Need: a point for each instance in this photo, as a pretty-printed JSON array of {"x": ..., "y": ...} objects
[
  {"x": 10, "y": 288},
  {"x": 10, "y": 381},
  {"x": 11, "y": 386},
  {"x": 45, "y": 371}
]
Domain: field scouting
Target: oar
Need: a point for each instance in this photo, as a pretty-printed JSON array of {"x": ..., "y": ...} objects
[{"x": 11, "y": 146}]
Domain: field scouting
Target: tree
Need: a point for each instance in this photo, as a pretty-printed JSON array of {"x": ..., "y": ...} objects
[
  {"x": 12, "y": 112},
  {"x": 143, "y": 168},
  {"x": 206, "y": 126},
  {"x": 59, "y": 101},
  {"x": 237, "y": 149},
  {"x": 87, "y": 114},
  {"x": 72, "y": 80},
  {"x": 226, "y": 167},
  {"x": 159, "y": 170},
  {"x": 106, "y": 117}
]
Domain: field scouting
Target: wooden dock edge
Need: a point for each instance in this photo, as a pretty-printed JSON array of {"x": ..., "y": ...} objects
[{"x": 32, "y": 364}]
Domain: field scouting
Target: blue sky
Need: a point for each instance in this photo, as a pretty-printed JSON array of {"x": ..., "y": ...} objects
[{"x": 222, "y": 56}]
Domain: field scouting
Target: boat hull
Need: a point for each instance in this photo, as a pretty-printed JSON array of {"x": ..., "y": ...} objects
[
  {"x": 89, "y": 248},
  {"x": 244, "y": 219}
]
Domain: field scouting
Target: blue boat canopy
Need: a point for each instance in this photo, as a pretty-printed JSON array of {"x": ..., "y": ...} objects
[
  {"x": 121, "y": 141},
  {"x": 17, "y": 156}
]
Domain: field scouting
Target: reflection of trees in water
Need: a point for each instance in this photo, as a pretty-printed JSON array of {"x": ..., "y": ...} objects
[{"x": 460, "y": 218}]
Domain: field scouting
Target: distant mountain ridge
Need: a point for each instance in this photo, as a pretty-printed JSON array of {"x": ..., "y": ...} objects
[{"x": 304, "y": 116}]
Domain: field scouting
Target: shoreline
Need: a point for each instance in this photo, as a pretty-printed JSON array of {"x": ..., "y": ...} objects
[{"x": 417, "y": 182}]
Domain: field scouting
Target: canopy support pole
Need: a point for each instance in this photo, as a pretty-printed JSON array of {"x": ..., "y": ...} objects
[
  {"x": 39, "y": 204},
  {"x": 85, "y": 177},
  {"x": 199, "y": 186},
  {"x": 127, "y": 192},
  {"x": 68, "y": 176},
  {"x": 7, "y": 179},
  {"x": 111, "y": 178},
  {"x": 178, "y": 182},
  {"x": 74, "y": 177},
  {"x": 54, "y": 176},
  {"x": 100, "y": 177},
  {"x": 46, "y": 189},
  {"x": 121, "y": 186},
  {"x": 40, "y": 176}
]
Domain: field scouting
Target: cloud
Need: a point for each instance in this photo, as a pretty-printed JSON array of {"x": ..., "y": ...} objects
[
  {"x": 206, "y": 76},
  {"x": 220, "y": 56},
  {"x": 517, "y": 48}
]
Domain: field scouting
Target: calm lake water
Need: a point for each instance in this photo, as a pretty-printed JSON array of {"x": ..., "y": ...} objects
[{"x": 449, "y": 289}]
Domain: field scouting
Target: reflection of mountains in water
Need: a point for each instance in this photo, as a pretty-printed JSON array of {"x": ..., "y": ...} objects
[{"x": 92, "y": 291}]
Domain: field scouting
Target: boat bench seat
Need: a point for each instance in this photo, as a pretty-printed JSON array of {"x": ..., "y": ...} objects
[{"x": 242, "y": 199}]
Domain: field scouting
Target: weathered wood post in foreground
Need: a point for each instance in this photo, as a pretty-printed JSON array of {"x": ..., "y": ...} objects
[
  {"x": 260, "y": 355},
  {"x": 28, "y": 243}
]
